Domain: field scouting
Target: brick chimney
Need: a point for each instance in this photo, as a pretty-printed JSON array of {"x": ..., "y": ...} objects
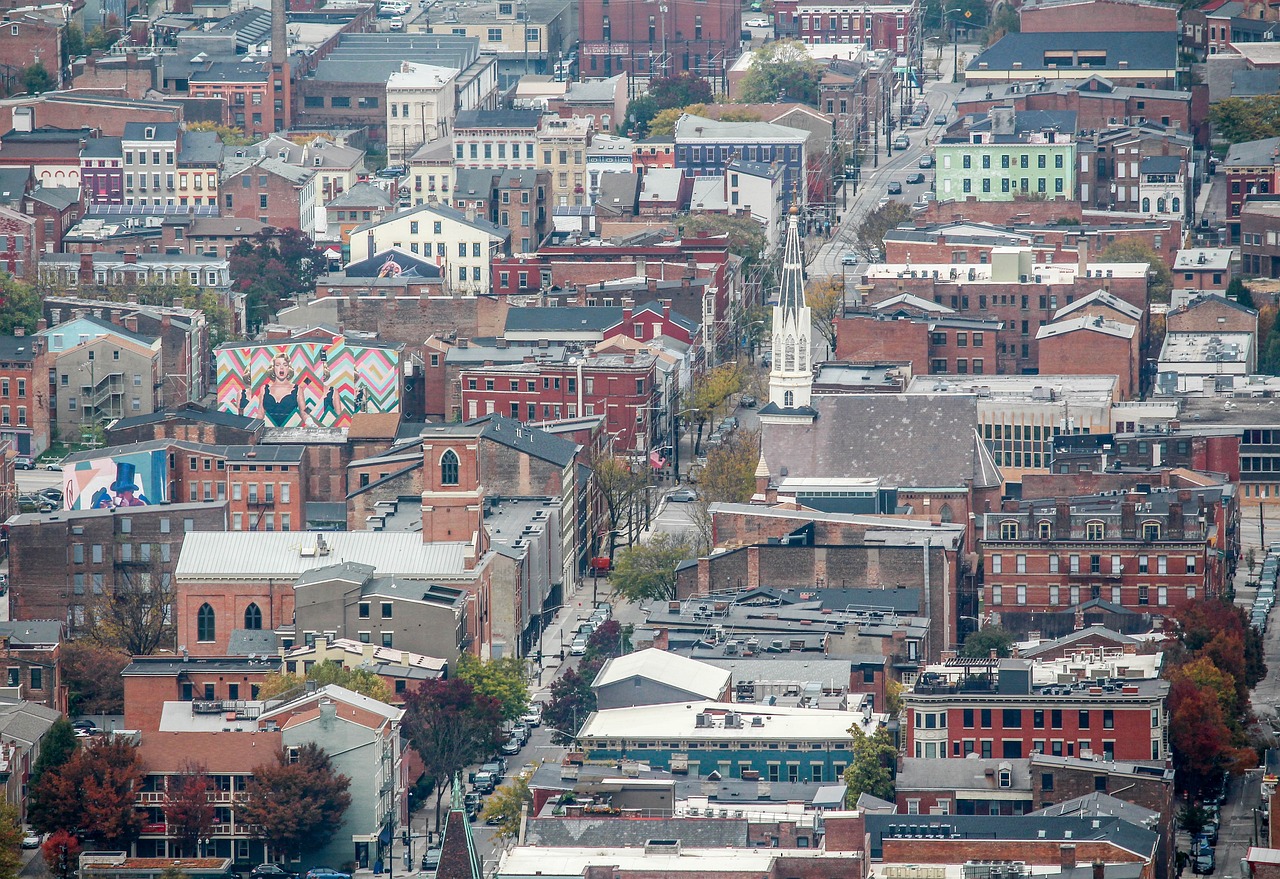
[
  {"x": 1099, "y": 870},
  {"x": 1067, "y": 856},
  {"x": 131, "y": 323},
  {"x": 1129, "y": 517},
  {"x": 131, "y": 258},
  {"x": 86, "y": 269}
]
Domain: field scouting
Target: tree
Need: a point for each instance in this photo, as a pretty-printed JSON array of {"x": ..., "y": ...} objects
[
  {"x": 782, "y": 71},
  {"x": 1203, "y": 745},
  {"x": 730, "y": 113},
  {"x": 296, "y": 805},
  {"x": 1251, "y": 560},
  {"x": 96, "y": 788},
  {"x": 92, "y": 676},
  {"x": 56, "y": 748},
  {"x": 73, "y": 44},
  {"x": 710, "y": 391},
  {"x": 1006, "y": 21},
  {"x": 871, "y": 771},
  {"x": 19, "y": 305},
  {"x": 680, "y": 90},
  {"x": 10, "y": 841},
  {"x": 640, "y": 113},
  {"x": 979, "y": 644},
  {"x": 1193, "y": 818},
  {"x": 136, "y": 616},
  {"x": 610, "y": 640},
  {"x": 100, "y": 37},
  {"x": 868, "y": 238},
  {"x": 358, "y": 680},
  {"x": 620, "y": 486},
  {"x": 728, "y": 477},
  {"x": 745, "y": 236},
  {"x": 1159, "y": 278},
  {"x": 1237, "y": 120},
  {"x": 572, "y": 701},
  {"x": 503, "y": 808},
  {"x": 1240, "y": 292},
  {"x": 451, "y": 726},
  {"x": 187, "y": 810},
  {"x": 227, "y": 134},
  {"x": 36, "y": 79},
  {"x": 272, "y": 268},
  {"x": 664, "y": 122},
  {"x": 825, "y": 299},
  {"x": 502, "y": 679},
  {"x": 61, "y": 853},
  {"x": 648, "y": 570}
]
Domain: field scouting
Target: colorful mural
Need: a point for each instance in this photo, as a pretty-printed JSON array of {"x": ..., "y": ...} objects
[
  {"x": 133, "y": 480},
  {"x": 307, "y": 384}
]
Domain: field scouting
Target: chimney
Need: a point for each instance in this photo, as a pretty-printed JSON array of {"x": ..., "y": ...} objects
[
  {"x": 86, "y": 269},
  {"x": 24, "y": 119},
  {"x": 1129, "y": 517},
  {"x": 131, "y": 258},
  {"x": 42, "y": 325},
  {"x": 279, "y": 33},
  {"x": 131, "y": 323},
  {"x": 1099, "y": 870},
  {"x": 19, "y": 330},
  {"x": 1083, "y": 249},
  {"x": 1067, "y": 856}
]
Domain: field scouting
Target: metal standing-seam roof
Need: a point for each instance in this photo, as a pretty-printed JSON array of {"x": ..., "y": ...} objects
[
  {"x": 689, "y": 675},
  {"x": 286, "y": 555}
]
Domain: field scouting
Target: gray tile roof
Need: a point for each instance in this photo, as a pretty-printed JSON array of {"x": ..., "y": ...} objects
[
  {"x": 164, "y": 131},
  {"x": 906, "y": 440},
  {"x": 1254, "y": 152},
  {"x": 1141, "y": 51},
  {"x": 499, "y": 118},
  {"x": 57, "y": 197},
  {"x": 962, "y": 775},
  {"x": 539, "y": 443},
  {"x": 1161, "y": 165},
  {"x": 252, "y": 642},
  {"x": 1121, "y": 833},
  {"x": 1097, "y": 804},
  {"x": 200, "y": 147},
  {"x": 32, "y": 632},
  {"x": 13, "y": 184},
  {"x": 25, "y": 721},
  {"x": 613, "y": 833},
  {"x": 102, "y": 148}
]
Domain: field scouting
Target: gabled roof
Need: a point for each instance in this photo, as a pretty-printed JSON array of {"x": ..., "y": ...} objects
[
  {"x": 1097, "y": 804},
  {"x": 1212, "y": 299},
  {"x": 1087, "y": 324},
  {"x": 697, "y": 678},
  {"x": 1103, "y": 298},
  {"x": 444, "y": 212},
  {"x": 1078, "y": 635},
  {"x": 1138, "y": 51},
  {"x": 459, "y": 858},
  {"x": 1254, "y": 152},
  {"x": 910, "y": 300}
]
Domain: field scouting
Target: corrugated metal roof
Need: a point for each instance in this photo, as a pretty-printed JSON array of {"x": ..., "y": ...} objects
[{"x": 249, "y": 555}]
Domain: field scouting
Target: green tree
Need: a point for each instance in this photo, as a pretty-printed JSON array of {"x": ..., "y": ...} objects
[
  {"x": 36, "y": 79},
  {"x": 73, "y": 44},
  {"x": 1159, "y": 278},
  {"x": 10, "y": 841},
  {"x": 228, "y": 135},
  {"x": 272, "y": 269},
  {"x": 1238, "y": 291},
  {"x": 1193, "y": 818},
  {"x": 504, "y": 806},
  {"x": 296, "y": 802},
  {"x": 358, "y": 680},
  {"x": 979, "y": 644},
  {"x": 610, "y": 639},
  {"x": 680, "y": 90},
  {"x": 871, "y": 771},
  {"x": 640, "y": 113},
  {"x": 728, "y": 477},
  {"x": 19, "y": 305},
  {"x": 100, "y": 38},
  {"x": 1006, "y": 21},
  {"x": 745, "y": 237},
  {"x": 56, "y": 748},
  {"x": 868, "y": 237},
  {"x": 1237, "y": 120},
  {"x": 502, "y": 679},
  {"x": 825, "y": 299},
  {"x": 648, "y": 570},
  {"x": 710, "y": 391},
  {"x": 664, "y": 122},
  {"x": 782, "y": 71}
]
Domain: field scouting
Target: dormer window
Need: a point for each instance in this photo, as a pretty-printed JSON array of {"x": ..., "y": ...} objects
[{"x": 149, "y": 133}]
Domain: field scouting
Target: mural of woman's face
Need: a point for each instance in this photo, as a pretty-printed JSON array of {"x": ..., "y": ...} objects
[{"x": 280, "y": 367}]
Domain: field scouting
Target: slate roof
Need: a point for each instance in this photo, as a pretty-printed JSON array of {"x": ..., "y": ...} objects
[
  {"x": 252, "y": 642},
  {"x": 32, "y": 632},
  {"x": 1142, "y": 51},
  {"x": 13, "y": 184},
  {"x": 1078, "y": 635},
  {"x": 164, "y": 131},
  {"x": 16, "y": 348},
  {"x": 1097, "y": 805},
  {"x": 200, "y": 147},
  {"x": 962, "y": 775},
  {"x": 102, "y": 148},
  {"x": 539, "y": 443},
  {"x": 57, "y": 197},
  {"x": 193, "y": 412},
  {"x": 446, "y": 212},
  {"x": 1161, "y": 165},
  {"x": 26, "y": 721},
  {"x": 906, "y": 440},
  {"x": 613, "y": 833},
  {"x": 1253, "y": 152},
  {"x": 581, "y": 317},
  {"x": 499, "y": 118}
]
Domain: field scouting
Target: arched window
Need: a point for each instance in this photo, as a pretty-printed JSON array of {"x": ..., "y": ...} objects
[
  {"x": 945, "y": 515},
  {"x": 1094, "y": 530},
  {"x": 1160, "y": 204},
  {"x": 1009, "y": 530},
  {"x": 1150, "y": 530},
  {"x": 789, "y": 353},
  {"x": 788, "y": 399},
  {"x": 1176, "y": 207},
  {"x": 449, "y": 468},
  {"x": 206, "y": 629},
  {"x": 253, "y": 617},
  {"x": 1045, "y": 528},
  {"x": 1146, "y": 205}
]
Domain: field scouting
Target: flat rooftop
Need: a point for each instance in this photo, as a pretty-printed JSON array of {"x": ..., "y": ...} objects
[{"x": 1046, "y": 389}]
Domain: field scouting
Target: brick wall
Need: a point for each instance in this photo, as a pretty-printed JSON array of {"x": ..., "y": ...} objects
[
  {"x": 1089, "y": 353},
  {"x": 1100, "y": 16},
  {"x": 863, "y": 339}
]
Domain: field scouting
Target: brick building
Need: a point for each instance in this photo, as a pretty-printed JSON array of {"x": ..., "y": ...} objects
[
  {"x": 1090, "y": 345},
  {"x": 1212, "y": 314},
  {"x": 496, "y": 139},
  {"x": 1009, "y": 708},
  {"x": 102, "y": 171},
  {"x": 878, "y": 26},
  {"x": 189, "y": 422},
  {"x": 691, "y": 36},
  {"x": 1250, "y": 169},
  {"x": 622, "y": 387},
  {"x": 1013, "y": 288},
  {"x": 515, "y": 199},
  {"x": 1123, "y": 16},
  {"x": 272, "y": 192},
  {"x": 1112, "y": 541},
  {"x": 26, "y": 38},
  {"x": 923, "y": 333},
  {"x": 30, "y": 652},
  {"x": 59, "y": 561},
  {"x": 24, "y": 394}
]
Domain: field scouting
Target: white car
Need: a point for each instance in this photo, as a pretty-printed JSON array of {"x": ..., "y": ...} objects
[
  {"x": 757, "y": 22},
  {"x": 31, "y": 839},
  {"x": 397, "y": 24},
  {"x": 579, "y": 646}
]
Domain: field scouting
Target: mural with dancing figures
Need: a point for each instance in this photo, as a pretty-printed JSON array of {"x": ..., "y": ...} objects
[{"x": 307, "y": 384}]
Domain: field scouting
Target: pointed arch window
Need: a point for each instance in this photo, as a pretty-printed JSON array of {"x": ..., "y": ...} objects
[
  {"x": 789, "y": 399},
  {"x": 449, "y": 468},
  {"x": 253, "y": 617},
  {"x": 206, "y": 624},
  {"x": 789, "y": 353}
]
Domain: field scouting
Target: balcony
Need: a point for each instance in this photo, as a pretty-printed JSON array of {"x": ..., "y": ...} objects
[{"x": 238, "y": 709}]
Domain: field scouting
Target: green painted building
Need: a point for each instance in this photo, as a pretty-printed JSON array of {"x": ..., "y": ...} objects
[{"x": 1010, "y": 155}]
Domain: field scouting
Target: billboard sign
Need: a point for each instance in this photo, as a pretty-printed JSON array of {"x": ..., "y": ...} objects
[
  {"x": 307, "y": 383},
  {"x": 138, "y": 479}
]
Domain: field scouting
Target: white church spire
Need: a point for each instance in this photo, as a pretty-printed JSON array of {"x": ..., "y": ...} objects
[{"x": 791, "y": 376}]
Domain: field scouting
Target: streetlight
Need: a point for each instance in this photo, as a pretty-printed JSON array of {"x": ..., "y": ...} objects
[{"x": 955, "y": 41}]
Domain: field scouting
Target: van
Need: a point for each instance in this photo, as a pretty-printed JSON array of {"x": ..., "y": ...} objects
[
  {"x": 394, "y": 7},
  {"x": 397, "y": 24}
]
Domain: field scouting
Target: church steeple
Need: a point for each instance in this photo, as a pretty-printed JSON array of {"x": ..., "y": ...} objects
[{"x": 791, "y": 375}]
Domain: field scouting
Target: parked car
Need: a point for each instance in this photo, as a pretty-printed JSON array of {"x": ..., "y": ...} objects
[
  {"x": 23, "y": 462},
  {"x": 895, "y": 188},
  {"x": 926, "y": 161},
  {"x": 1203, "y": 863},
  {"x": 431, "y": 860},
  {"x": 270, "y": 871},
  {"x": 915, "y": 177},
  {"x": 53, "y": 465},
  {"x": 579, "y": 646},
  {"x": 31, "y": 839},
  {"x": 730, "y": 422},
  {"x": 396, "y": 24},
  {"x": 901, "y": 142},
  {"x": 511, "y": 746},
  {"x": 533, "y": 714},
  {"x": 483, "y": 781},
  {"x": 326, "y": 873},
  {"x": 748, "y": 401},
  {"x": 683, "y": 496},
  {"x": 757, "y": 22},
  {"x": 849, "y": 259}
]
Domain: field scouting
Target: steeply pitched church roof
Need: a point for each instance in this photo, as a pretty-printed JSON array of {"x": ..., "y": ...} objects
[{"x": 458, "y": 856}]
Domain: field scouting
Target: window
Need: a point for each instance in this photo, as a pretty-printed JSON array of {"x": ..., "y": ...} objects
[
  {"x": 1150, "y": 530},
  {"x": 997, "y": 564},
  {"x": 1008, "y": 531},
  {"x": 1108, "y": 719},
  {"x": 1045, "y": 530},
  {"x": 1094, "y": 530},
  {"x": 253, "y": 617},
  {"x": 387, "y": 639},
  {"x": 449, "y": 468},
  {"x": 386, "y": 610},
  {"x": 206, "y": 629},
  {"x": 1046, "y": 781},
  {"x": 364, "y": 610},
  {"x": 1084, "y": 719}
]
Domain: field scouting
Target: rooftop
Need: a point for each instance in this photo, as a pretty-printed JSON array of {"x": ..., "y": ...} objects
[
  {"x": 688, "y": 674},
  {"x": 1203, "y": 259},
  {"x": 1047, "y": 389},
  {"x": 1206, "y": 348},
  {"x": 1058, "y": 52},
  {"x": 725, "y": 721},
  {"x": 690, "y": 128},
  {"x": 285, "y": 555}
]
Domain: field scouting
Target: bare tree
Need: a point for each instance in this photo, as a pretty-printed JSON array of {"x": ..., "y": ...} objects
[{"x": 135, "y": 615}]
